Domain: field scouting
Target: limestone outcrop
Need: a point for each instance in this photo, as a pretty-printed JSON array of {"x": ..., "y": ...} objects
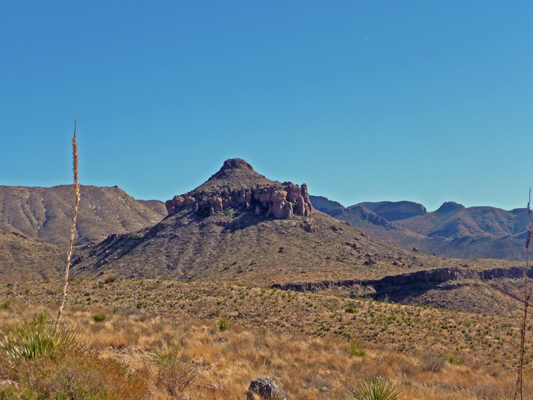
[{"x": 279, "y": 200}]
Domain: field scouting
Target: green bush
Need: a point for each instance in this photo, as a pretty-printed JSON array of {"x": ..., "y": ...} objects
[
  {"x": 377, "y": 388},
  {"x": 5, "y": 304},
  {"x": 99, "y": 317},
  {"x": 350, "y": 310}
]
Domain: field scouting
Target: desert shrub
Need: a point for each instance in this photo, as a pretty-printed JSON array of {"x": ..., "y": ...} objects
[
  {"x": 433, "y": 363},
  {"x": 377, "y": 388},
  {"x": 110, "y": 279},
  {"x": 5, "y": 304},
  {"x": 356, "y": 350},
  {"x": 350, "y": 310},
  {"x": 37, "y": 338},
  {"x": 174, "y": 375},
  {"x": 222, "y": 325},
  {"x": 99, "y": 317}
]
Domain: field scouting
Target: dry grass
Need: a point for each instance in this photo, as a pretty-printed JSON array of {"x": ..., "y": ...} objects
[{"x": 174, "y": 348}]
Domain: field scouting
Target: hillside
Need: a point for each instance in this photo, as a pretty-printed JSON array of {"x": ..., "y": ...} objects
[
  {"x": 46, "y": 213},
  {"x": 29, "y": 258},
  {"x": 452, "y": 231}
]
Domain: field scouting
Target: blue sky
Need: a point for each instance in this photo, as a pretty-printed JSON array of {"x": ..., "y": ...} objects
[{"x": 428, "y": 101}]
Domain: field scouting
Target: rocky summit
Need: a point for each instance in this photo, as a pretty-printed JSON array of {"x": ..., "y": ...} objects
[{"x": 238, "y": 185}]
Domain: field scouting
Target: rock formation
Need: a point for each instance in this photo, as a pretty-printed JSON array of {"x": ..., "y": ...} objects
[{"x": 279, "y": 200}]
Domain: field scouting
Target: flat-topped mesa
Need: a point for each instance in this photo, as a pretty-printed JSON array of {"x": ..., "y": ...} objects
[{"x": 279, "y": 200}]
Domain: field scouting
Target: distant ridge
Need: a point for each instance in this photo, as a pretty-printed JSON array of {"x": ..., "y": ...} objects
[
  {"x": 46, "y": 213},
  {"x": 452, "y": 230}
]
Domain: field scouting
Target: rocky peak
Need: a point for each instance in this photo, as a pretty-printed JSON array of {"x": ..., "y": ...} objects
[
  {"x": 234, "y": 163},
  {"x": 237, "y": 185},
  {"x": 450, "y": 206}
]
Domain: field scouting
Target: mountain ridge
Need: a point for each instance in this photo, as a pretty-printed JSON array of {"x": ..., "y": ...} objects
[
  {"x": 452, "y": 230},
  {"x": 47, "y": 213}
]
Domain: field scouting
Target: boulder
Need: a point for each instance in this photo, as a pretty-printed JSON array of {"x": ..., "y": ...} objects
[{"x": 265, "y": 388}]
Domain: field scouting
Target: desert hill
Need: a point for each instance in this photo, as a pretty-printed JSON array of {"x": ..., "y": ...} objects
[
  {"x": 453, "y": 230},
  {"x": 241, "y": 227},
  {"x": 46, "y": 213}
]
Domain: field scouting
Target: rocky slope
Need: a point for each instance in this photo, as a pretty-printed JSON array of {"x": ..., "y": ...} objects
[
  {"x": 452, "y": 230},
  {"x": 46, "y": 213}
]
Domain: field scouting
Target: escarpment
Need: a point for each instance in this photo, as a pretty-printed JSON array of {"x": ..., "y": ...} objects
[{"x": 236, "y": 185}]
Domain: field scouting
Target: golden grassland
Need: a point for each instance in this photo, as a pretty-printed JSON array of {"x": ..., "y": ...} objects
[{"x": 167, "y": 339}]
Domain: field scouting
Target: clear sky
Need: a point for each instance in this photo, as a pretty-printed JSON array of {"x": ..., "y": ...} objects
[{"x": 428, "y": 101}]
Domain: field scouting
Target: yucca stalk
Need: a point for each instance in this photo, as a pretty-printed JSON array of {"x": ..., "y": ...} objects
[
  {"x": 77, "y": 192},
  {"x": 519, "y": 381}
]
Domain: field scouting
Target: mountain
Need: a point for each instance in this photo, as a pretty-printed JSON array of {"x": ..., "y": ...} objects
[
  {"x": 46, "y": 213},
  {"x": 29, "y": 258},
  {"x": 324, "y": 204},
  {"x": 453, "y": 230},
  {"x": 241, "y": 227}
]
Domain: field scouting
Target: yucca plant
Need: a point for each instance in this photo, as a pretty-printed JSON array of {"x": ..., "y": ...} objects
[
  {"x": 356, "y": 350},
  {"x": 376, "y": 388},
  {"x": 39, "y": 338}
]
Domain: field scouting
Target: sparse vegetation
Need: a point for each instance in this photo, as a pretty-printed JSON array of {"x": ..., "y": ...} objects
[{"x": 178, "y": 350}]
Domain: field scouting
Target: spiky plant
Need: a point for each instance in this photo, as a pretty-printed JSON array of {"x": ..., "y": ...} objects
[
  {"x": 39, "y": 338},
  {"x": 376, "y": 388}
]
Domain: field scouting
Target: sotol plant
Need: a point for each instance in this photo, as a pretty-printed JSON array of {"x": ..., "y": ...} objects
[
  {"x": 519, "y": 382},
  {"x": 77, "y": 202},
  {"x": 377, "y": 388}
]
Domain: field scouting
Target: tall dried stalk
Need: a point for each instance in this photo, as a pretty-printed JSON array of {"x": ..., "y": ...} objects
[
  {"x": 77, "y": 191},
  {"x": 519, "y": 381}
]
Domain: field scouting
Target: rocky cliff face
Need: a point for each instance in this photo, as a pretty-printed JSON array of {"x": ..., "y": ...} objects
[
  {"x": 279, "y": 200},
  {"x": 419, "y": 277}
]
